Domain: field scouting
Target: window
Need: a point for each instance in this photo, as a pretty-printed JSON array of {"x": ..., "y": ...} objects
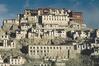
[
  {"x": 60, "y": 47},
  {"x": 5, "y": 36},
  {"x": 41, "y": 51},
  {"x": 47, "y": 50},
  {"x": 27, "y": 13},
  {"x": 41, "y": 64},
  {"x": 13, "y": 44},
  {"x": 37, "y": 51},
  {"x": 37, "y": 47},
  {"x": 47, "y": 47},
  {"x": 69, "y": 47},
  {"x": 30, "y": 47},
  {"x": 75, "y": 47},
  {"x": 44, "y": 47},
  {"x": 62, "y": 19},
  {"x": 68, "y": 53},
  {"x": 41, "y": 47},
  {"x": 44, "y": 50},
  {"x": 57, "y": 47},
  {"x": 50, "y": 47},
  {"x": 55, "y": 18},
  {"x": 45, "y": 64},
  {"x": 34, "y": 51},
  {"x": 78, "y": 46},
  {"x": 52, "y": 18},
  {"x": 33, "y": 47},
  {"x": 66, "y": 47},
  {"x": 54, "y": 47}
]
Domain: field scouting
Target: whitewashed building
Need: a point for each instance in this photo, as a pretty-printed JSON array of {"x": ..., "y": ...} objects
[
  {"x": 18, "y": 60},
  {"x": 60, "y": 20},
  {"x": 80, "y": 35},
  {"x": 4, "y": 37},
  {"x": 97, "y": 33},
  {"x": 2, "y": 63},
  {"x": 21, "y": 34},
  {"x": 53, "y": 52},
  {"x": 7, "y": 44}
]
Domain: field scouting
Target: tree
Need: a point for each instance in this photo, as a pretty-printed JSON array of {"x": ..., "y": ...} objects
[
  {"x": 87, "y": 52},
  {"x": 24, "y": 49}
]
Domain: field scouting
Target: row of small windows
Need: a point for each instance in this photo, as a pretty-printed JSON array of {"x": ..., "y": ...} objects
[
  {"x": 5, "y": 36},
  {"x": 42, "y": 65},
  {"x": 55, "y": 18},
  {"x": 4, "y": 64},
  {"x": 15, "y": 61},
  {"x": 51, "y": 25},
  {"x": 45, "y": 65},
  {"x": 39, "y": 51},
  {"x": 49, "y": 47},
  {"x": 45, "y": 47},
  {"x": 81, "y": 46},
  {"x": 9, "y": 21},
  {"x": 46, "y": 54}
]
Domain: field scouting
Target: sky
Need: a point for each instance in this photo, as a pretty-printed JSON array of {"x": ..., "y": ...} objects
[{"x": 90, "y": 8}]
